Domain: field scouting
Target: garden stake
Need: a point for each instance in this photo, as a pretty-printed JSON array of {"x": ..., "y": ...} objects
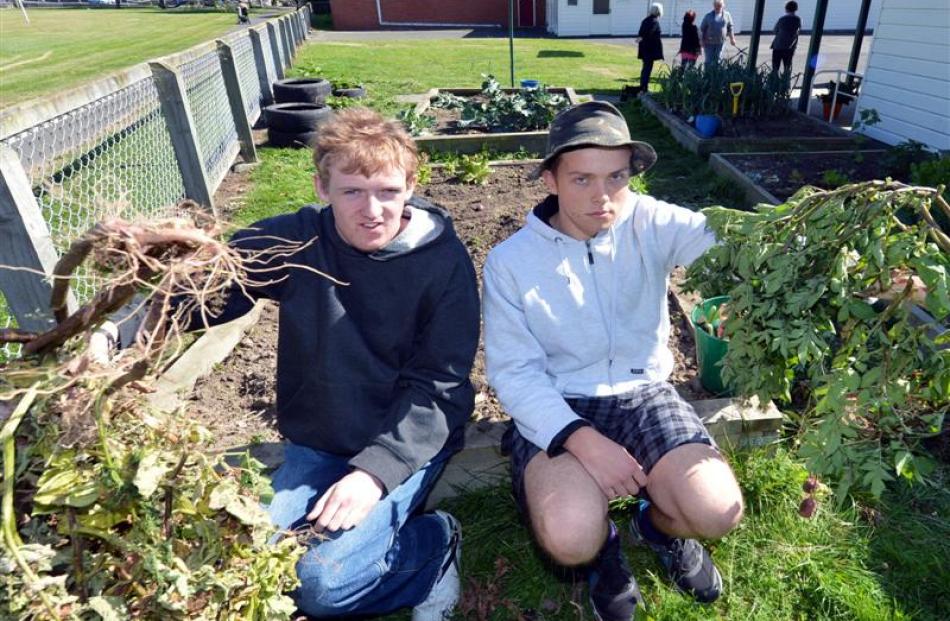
[{"x": 736, "y": 89}]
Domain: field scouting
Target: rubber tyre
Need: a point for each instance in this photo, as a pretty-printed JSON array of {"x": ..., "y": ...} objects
[
  {"x": 357, "y": 92},
  {"x": 304, "y": 90},
  {"x": 294, "y": 118},
  {"x": 299, "y": 140}
]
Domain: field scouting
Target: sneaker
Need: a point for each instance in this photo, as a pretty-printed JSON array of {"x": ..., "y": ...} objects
[
  {"x": 687, "y": 562},
  {"x": 440, "y": 602},
  {"x": 614, "y": 593}
]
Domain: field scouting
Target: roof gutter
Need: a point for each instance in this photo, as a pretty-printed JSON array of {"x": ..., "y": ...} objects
[{"x": 379, "y": 17}]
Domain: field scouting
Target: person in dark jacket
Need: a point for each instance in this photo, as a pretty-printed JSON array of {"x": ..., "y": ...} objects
[
  {"x": 650, "y": 46},
  {"x": 690, "y": 48},
  {"x": 373, "y": 387},
  {"x": 786, "y": 38}
]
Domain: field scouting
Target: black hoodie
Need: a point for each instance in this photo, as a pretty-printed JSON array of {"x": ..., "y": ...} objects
[{"x": 377, "y": 370}]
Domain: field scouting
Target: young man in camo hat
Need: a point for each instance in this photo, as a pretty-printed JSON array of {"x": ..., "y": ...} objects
[{"x": 576, "y": 327}]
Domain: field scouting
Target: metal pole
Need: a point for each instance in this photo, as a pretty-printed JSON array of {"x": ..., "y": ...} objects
[
  {"x": 511, "y": 39},
  {"x": 756, "y": 33},
  {"x": 817, "y": 29},
  {"x": 858, "y": 39}
]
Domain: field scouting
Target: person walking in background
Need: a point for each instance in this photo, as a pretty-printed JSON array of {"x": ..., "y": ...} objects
[
  {"x": 716, "y": 27},
  {"x": 786, "y": 37},
  {"x": 650, "y": 47},
  {"x": 690, "y": 49}
]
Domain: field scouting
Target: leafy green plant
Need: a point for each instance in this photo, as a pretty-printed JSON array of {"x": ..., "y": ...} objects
[
  {"x": 934, "y": 173},
  {"x": 693, "y": 90},
  {"x": 496, "y": 110},
  {"x": 803, "y": 278},
  {"x": 638, "y": 184},
  {"x": 424, "y": 172},
  {"x": 833, "y": 178},
  {"x": 339, "y": 103},
  {"x": 416, "y": 124},
  {"x": 474, "y": 169},
  {"x": 897, "y": 161}
]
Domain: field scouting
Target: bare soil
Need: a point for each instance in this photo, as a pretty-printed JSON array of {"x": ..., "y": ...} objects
[
  {"x": 782, "y": 174},
  {"x": 237, "y": 400}
]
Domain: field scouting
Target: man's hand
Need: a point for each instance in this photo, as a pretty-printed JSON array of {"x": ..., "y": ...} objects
[
  {"x": 615, "y": 470},
  {"x": 347, "y": 502}
]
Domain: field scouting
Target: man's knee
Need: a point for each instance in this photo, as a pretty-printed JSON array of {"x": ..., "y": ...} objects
[
  {"x": 717, "y": 520},
  {"x": 571, "y": 535},
  {"x": 327, "y": 585}
]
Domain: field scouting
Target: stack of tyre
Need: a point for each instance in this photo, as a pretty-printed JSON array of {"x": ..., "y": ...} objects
[{"x": 300, "y": 108}]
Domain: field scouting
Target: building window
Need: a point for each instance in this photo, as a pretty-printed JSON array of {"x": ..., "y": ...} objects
[
  {"x": 601, "y": 7},
  {"x": 571, "y": 2}
]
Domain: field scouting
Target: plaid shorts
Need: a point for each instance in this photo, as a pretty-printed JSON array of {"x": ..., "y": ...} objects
[{"x": 649, "y": 422}]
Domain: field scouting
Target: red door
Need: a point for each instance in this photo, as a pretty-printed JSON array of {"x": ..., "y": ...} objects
[{"x": 526, "y": 13}]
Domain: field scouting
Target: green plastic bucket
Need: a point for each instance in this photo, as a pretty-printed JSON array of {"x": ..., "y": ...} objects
[{"x": 709, "y": 349}]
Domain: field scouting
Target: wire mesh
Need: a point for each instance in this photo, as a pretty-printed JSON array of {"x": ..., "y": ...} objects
[
  {"x": 243, "y": 52},
  {"x": 268, "y": 52},
  {"x": 207, "y": 99},
  {"x": 111, "y": 157}
]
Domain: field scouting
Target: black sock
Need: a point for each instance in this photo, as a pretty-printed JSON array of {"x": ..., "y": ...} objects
[{"x": 646, "y": 526}]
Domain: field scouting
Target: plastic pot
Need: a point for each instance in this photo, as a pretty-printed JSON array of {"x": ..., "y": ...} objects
[
  {"x": 707, "y": 125},
  {"x": 529, "y": 84},
  {"x": 709, "y": 349}
]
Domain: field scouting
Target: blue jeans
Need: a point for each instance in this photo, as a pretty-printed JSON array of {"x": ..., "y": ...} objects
[
  {"x": 712, "y": 53},
  {"x": 388, "y": 561}
]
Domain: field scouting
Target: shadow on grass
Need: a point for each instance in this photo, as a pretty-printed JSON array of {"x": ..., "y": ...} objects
[{"x": 559, "y": 54}]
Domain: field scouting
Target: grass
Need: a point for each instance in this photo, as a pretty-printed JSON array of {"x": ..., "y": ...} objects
[
  {"x": 390, "y": 68},
  {"x": 776, "y": 566},
  {"x": 61, "y": 48}
]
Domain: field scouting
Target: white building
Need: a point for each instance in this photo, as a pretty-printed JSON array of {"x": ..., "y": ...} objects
[
  {"x": 908, "y": 74},
  {"x": 580, "y": 18}
]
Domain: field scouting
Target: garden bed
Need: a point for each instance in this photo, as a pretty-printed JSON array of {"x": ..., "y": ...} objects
[
  {"x": 448, "y": 137},
  {"x": 795, "y": 132},
  {"x": 772, "y": 177}
]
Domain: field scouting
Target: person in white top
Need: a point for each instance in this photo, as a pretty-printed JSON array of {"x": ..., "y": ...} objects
[{"x": 576, "y": 329}]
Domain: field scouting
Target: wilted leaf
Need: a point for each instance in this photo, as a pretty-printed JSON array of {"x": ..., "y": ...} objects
[
  {"x": 109, "y": 608},
  {"x": 151, "y": 470}
]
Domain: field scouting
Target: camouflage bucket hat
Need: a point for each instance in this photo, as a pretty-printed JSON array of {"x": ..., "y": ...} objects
[{"x": 593, "y": 124}]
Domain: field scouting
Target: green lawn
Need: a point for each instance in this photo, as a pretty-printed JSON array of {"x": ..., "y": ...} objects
[
  {"x": 61, "y": 48},
  {"x": 390, "y": 68},
  {"x": 776, "y": 566}
]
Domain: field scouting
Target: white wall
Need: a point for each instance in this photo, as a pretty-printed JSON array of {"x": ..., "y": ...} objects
[
  {"x": 574, "y": 21},
  {"x": 908, "y": 75}
]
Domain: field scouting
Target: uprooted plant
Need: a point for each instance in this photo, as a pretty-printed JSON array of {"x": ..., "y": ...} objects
[
  {"x": 113, "y": 507},
  {"x": 821, "y": 314}
]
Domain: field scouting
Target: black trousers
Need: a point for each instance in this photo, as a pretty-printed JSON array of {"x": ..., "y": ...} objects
[
  {"x": 645, "y": 75},
  {"x": 783, "y": 57}
]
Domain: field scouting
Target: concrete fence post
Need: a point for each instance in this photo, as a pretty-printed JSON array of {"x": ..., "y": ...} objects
[
  {"x": 275, "y": 47},
  {"x": 285, "y": 39},
  {"x": 181, "y": 127},
  {"x": 260, "y": 62},
  {"x": 25, "y": 243},
  {"x": 232, "y": 84},
  {"x": 294, "y": 30}
]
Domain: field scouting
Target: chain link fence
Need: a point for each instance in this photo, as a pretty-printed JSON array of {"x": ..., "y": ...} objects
[
  {"x": 110, "y": 150},
  {"x": 207, "y": 97}
]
